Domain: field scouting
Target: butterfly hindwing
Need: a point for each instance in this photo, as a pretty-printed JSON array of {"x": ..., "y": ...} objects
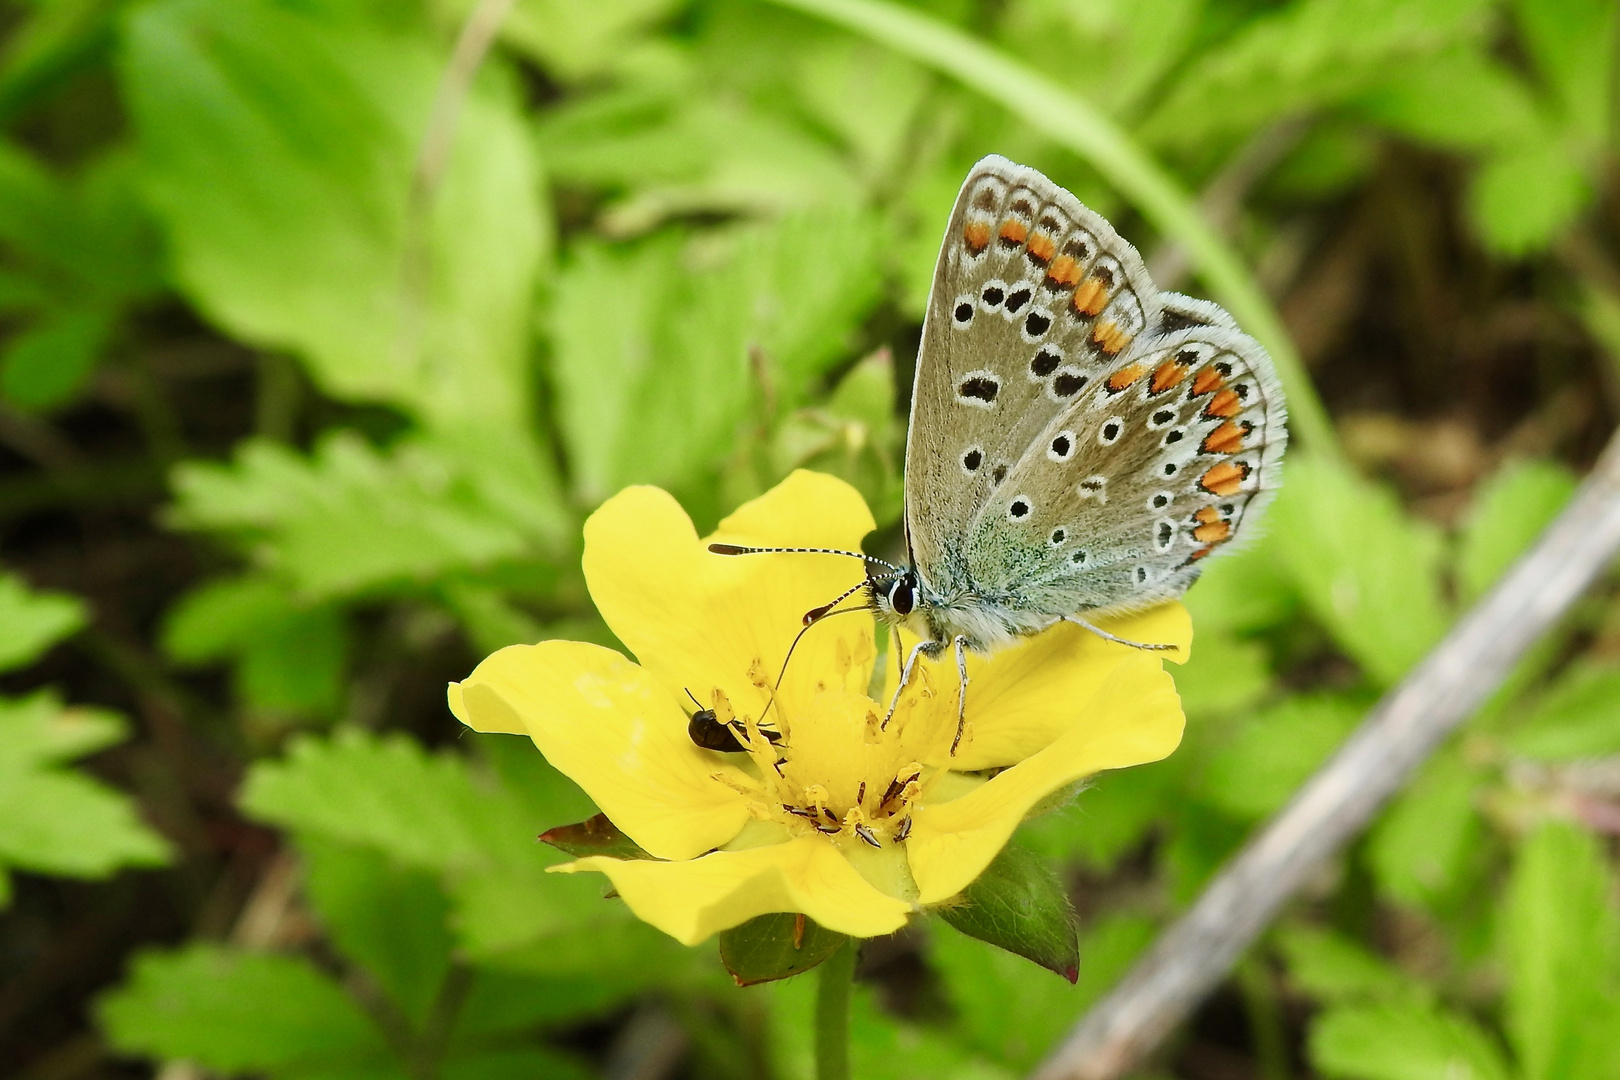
[{"x": 1034, "y": 299}]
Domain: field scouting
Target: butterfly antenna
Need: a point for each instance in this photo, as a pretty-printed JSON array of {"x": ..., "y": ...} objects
[
  {"x": 737, "y": 549},
  {"x": 820, "y": 613}
]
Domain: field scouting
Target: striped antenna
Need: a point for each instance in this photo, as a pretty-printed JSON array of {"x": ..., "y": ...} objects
[{"x": 736, "y": 549}]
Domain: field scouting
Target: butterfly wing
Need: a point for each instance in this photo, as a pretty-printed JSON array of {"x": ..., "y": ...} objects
[
  {"x": 1167, "y": 457},
  {"x": 1034, "y": 297}
]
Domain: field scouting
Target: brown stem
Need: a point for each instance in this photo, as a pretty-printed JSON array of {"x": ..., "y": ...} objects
[{"x": 1193, "y": 956}]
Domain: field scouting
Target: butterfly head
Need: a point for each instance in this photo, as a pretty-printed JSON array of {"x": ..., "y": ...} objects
[{"x": 893, "y": 594}]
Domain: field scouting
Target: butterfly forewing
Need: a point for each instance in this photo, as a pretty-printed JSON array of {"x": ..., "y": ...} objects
[
  {"x": 1079, "y": 441},
  {"x": 1034, "y": 298}
]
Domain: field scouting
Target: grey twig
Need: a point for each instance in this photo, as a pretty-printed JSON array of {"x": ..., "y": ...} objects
[{"x": 1192, "y": 957}]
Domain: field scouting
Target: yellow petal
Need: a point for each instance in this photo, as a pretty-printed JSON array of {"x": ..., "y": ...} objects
[
  {"x": 1023, "y": 697},
  {"x": 700, "y": 620},
  {"x": 693, "y": 899},
  {"x": 605, "y": 723},
  {"x": 1134, "y": 717}
]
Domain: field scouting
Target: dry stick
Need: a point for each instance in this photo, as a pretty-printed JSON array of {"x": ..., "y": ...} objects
[{"x": 1194, "y": 955}]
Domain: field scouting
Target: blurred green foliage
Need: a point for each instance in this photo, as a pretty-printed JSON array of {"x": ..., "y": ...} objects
[{"x": 689, "y": 243}]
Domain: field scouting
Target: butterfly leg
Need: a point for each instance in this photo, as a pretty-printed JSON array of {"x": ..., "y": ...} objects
[
  {"x": 961, "y": 691},
  {"x": 924, "y": 646},
  {"x": 1106, "y": 636}
]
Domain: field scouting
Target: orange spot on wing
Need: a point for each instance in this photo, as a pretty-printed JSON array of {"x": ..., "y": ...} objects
[
  {"x": 1110, "y": 338},
  {"x": 1225, "y": 478},
  {"x": 1226, "y": 439},
  {"x": 1213, "y": 533},
  {"x": 1042, "y": 246},
  {"x": 1090, "y": 297},
  {"x": 1167, "y": 376},
  {"x": 977, "y": 235},
  {"x": 1206, "y": 380},
  {"x": 1207, "y": 515},
  {"x": 1013, "y": 231},
  {"x": 1225, "y": 403},
  {"x": 1122, "y": 378},
  {"x": 1064, "y": 271}
]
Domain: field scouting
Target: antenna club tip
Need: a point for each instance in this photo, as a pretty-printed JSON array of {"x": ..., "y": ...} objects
[{"x": 728, "y": 549}]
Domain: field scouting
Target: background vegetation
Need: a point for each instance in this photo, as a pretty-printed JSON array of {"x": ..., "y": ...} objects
[{"x": 311, "y": 367}]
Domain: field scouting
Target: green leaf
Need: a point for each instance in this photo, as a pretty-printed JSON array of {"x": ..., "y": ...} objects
[
  {"x": 1337, "y": 971},
  {"x": 236, "y": 1012},
  {"x": 1462, "y": 99},
  {"x": 56, "y": 821},
  {"x": 389, "y": 920},
  {"x": 1257, "y": 768},
  {"x": 280, "y": 147},
  {"x": 1508, "y": 514},
  {"x": 352, "y": 518},
  {"x": 1015, "y": 1013},
  {"x": 1526, "y": 196},
  {"x": 1561, "y": 939},
  {"x": 653, "y": 384},
  {"x": 1302, "y": 56},
  {"x": 47, "y": 363},
  {"x": 1244, "y": 592},
  {"x": 1424, "y": 842},
  {"x": 595, "y": 836},
  {"x": 1403, "y": 1042},
  {"x": 1578, "y": 717},
  {"x": 31, "y": 622},
  {"x": 1573, "y": 44},
  {"x": 574, "y": 41},
  {"x": 1223, "y": 675},
  {"x": 1367, "y": 571},
  {"x": 776, "y": 946},
  {"x": 1018, "y": 904}
]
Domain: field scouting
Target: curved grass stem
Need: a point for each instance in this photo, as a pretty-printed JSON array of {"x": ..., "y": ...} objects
[{"x": 1074, "y": 122}]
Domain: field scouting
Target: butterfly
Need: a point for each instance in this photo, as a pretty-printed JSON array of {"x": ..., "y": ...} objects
[{"x": 1080, "y": 442}]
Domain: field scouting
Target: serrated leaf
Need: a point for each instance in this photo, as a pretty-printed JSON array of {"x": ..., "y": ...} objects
[
  {"x": 1018, "y": 904},
  {"x": 389, "y": 920},
  {"x": 1525, "y": 197},
  {"x": 1304, "y": 55},
  {"x": 1578, "y": 717},
  {"x": 1366, "y": 570},
  {"x": 1508, "y": 514},
  {"x": 1403, "y": 1042},
  {"x": 31, "y": 622},
  {"x": 1338, "y": 971},
  {"x": 350, "y": 518},
  {"x": 594, "y": 836},
  {"x": 777, "y": 946},
  {"x": 57, "y": 821},
  {"x": 46, "y": 364},
  {"x": 1561, "y": 940},
  {"x": 235, "y": 1011},
  {"x": 1257, "y": 767},
  {"x": 428, "y": 312},
  {"x": 1421, "y": 847},
  {"x": 678, "y": 366}
]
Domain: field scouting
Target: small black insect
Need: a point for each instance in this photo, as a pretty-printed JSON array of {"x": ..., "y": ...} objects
[{"x": 707, "y": 731}]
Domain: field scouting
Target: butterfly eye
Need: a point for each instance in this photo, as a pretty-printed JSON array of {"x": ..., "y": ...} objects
[{"x": 901, "y": 597}]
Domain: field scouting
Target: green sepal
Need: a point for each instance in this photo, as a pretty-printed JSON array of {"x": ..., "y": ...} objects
[
  {"x": 594, "y": 836},
  {"x": 775, "y": 946},
  {"x": 1019, "y": 905}
]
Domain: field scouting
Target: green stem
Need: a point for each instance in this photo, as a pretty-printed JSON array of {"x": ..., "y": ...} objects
[
  {"x": 1081, "y": 127},
  {"x": 832, "y": 1013}
]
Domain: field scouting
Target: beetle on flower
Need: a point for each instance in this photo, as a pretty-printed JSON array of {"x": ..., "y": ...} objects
[{"x": 827, "y": 812}]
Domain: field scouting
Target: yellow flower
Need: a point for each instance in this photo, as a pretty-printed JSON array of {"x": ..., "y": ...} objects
[{"x": 826, "y": 811}]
